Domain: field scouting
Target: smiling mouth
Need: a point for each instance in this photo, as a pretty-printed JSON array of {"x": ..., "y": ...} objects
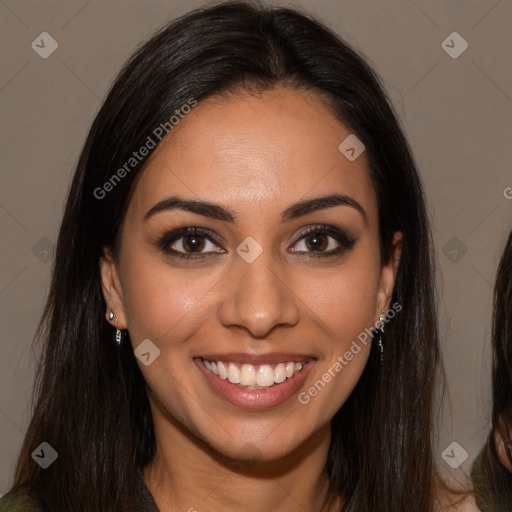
[{"x": 250, "y": 376}]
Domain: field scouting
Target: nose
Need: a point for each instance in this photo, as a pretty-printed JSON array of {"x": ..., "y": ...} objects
[{"x": 258, "y": 298}]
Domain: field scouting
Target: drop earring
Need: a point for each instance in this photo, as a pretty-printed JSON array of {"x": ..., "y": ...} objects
[
  {"x": 382, "y": 319},
  {"x": 119, "y": 337},
  {"x": 119, "y": 333}
]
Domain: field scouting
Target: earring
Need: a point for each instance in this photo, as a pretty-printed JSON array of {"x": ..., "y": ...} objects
[
  {"x": 382, "y": 319},
  {"x": 119, "y": 333}
]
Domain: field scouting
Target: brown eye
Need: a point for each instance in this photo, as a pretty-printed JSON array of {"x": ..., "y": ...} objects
[
  {"x": 193, "y": 243},
  {"x": 324, "y": 241},
  {"x": 190, "y": 242},
  {"x": 317, "y": 242}
]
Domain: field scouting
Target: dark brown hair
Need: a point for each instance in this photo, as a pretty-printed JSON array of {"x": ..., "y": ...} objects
[
  {"x": 90, "y": 399},
  {"x": 492, "y": 481}
]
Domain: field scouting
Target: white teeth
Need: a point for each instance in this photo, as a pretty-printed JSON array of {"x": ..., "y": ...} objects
[
  {"x": 233, "y": 373},
  {"x": 223, "y": 373},
  {"x": 247, "y": 375},
  {"x": 279, "y": 373},
  {"x": 265, "y": 376},
  {"x": 262, "y": 376}
]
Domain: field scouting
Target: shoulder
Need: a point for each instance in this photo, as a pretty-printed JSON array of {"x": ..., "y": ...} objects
[{"x": 19, "y": 501}]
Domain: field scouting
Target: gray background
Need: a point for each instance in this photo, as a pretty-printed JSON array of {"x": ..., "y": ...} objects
[{"x": 456, "y": 114}]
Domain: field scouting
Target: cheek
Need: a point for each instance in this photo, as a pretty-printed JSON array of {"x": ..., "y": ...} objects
[
  {"x": 343, "y": 305},
  {"x": 161, "y": 303},
  {"x": 343, "y": 308},
  {"x": 344, "y": 300}
]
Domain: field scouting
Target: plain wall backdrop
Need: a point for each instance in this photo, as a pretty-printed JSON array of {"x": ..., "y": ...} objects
[{"x": 455, "y": 104}]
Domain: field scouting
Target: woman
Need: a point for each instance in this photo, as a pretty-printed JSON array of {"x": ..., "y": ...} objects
[
  {"x": 492, "y": 470},
  {"x": 247, "y": 217}
]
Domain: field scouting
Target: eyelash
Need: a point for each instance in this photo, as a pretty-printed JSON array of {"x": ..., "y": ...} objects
[{"x": 346, "y": 242}]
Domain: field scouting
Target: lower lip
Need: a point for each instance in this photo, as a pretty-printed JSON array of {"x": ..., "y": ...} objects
[{"x": 256, "y": 398}]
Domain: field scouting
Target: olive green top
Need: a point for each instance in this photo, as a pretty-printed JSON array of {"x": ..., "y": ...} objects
[
  {"x": 21, "y": 502},
  {"x": 475, "y": 476},
  {"x": 486, "y": 498}
]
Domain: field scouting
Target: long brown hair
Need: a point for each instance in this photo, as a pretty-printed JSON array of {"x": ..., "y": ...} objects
[
  {"x": 492, "y": 481},
  {"x": 90, "y": 400}
]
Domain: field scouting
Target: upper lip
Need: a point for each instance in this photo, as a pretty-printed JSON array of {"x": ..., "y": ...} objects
[{"x": 257, "y": 359}]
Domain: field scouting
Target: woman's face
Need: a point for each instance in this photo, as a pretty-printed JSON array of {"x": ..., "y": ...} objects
[{"x": 260, "y": 295}]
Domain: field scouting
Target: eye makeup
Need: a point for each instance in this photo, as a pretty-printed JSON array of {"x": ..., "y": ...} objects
[{"x": 192, "y": 238}]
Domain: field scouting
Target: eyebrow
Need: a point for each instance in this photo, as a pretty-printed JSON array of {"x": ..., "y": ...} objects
[{"x": 217, "y": 212}]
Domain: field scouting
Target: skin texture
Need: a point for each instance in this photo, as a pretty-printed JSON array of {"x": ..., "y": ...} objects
[{"x": 256, "y": 155}]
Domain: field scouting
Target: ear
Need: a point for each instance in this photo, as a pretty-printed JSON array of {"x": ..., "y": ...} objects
[
  {"x": 388, "y": 274},
  {"x": 501, "y": 449},
  {"x": 112, "y": 291}
]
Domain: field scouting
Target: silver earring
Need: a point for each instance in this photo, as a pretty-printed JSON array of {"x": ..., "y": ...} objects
[
  {"x": 119, "y": 333},
  {"x": 382, "y": 319}
]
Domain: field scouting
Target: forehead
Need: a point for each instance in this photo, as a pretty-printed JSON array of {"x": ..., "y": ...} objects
[{"x": 255, "y": 151}]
